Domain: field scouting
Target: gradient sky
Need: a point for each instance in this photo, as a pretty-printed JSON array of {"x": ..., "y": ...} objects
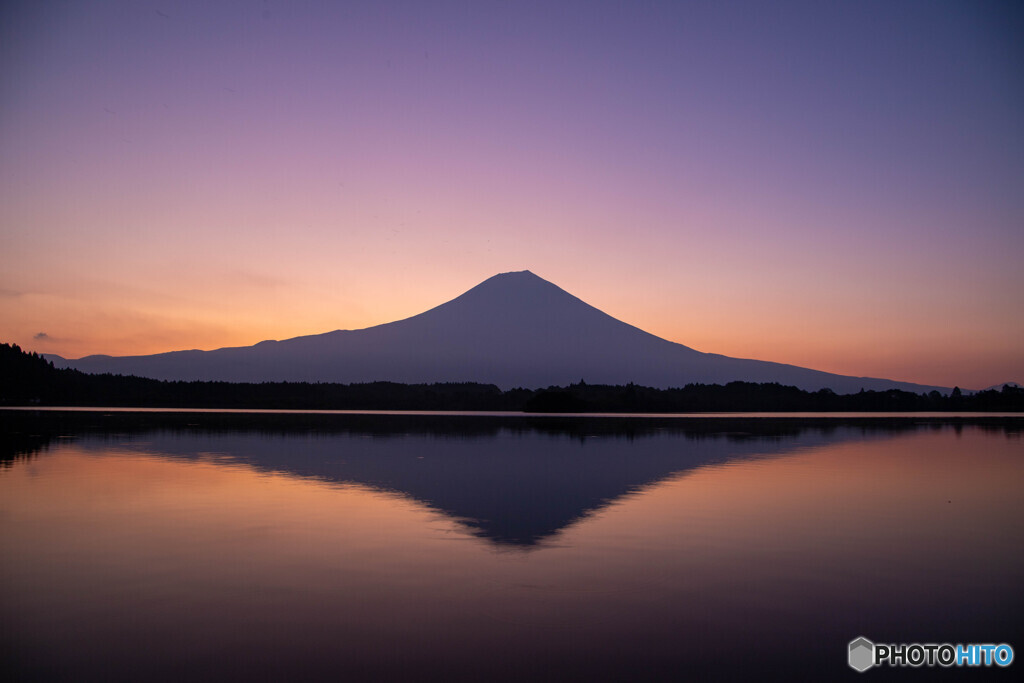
[{"x": 838, "y": 185}]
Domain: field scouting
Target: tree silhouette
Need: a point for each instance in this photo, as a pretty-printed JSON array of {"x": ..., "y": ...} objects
[{"x": 28, "y": 379}]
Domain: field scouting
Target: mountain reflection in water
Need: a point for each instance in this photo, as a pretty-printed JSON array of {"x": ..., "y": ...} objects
[
  {"x": 317, "y": 547},
  {"x": 539, "y": 477}
]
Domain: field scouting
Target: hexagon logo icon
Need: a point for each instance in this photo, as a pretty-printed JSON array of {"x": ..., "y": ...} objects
[{"x": 862, "y": 654}]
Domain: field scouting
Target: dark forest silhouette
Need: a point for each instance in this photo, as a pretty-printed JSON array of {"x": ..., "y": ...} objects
[{"x": 29, "y": 379}]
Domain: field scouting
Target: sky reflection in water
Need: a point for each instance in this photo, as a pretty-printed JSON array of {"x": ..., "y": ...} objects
[{"x": 358, "y": 553}]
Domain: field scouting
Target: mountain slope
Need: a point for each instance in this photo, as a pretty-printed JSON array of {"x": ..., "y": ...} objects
[{"x": 514, "y": 329}]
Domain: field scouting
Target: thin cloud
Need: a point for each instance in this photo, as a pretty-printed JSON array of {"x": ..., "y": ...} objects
[{"x": 42, "y": 336}]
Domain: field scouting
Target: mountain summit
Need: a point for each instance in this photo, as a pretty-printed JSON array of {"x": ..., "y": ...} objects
[{"x": 513, "y": 329}]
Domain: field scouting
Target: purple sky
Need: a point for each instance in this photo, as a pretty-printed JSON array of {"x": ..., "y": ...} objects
[{"x": 832, "y": 184}]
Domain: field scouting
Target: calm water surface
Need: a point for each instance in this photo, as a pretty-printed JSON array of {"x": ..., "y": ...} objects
[{"x": 418, "y": 548}]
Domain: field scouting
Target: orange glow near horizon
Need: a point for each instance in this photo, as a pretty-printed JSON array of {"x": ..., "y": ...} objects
[{"x": 247, "y": 308}]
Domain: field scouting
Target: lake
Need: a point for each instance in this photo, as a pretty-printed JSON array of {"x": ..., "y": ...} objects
[{"x": 357, "y": 547}]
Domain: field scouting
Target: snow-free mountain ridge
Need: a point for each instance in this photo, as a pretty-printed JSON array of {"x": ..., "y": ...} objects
[{"x": 513, "y": 329}]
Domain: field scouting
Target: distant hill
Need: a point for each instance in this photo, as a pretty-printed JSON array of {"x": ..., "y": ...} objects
[
  {"x": 997, "y": 387},
  {"x": 512, "y": 330}
]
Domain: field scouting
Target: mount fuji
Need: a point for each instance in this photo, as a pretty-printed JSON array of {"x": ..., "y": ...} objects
[{"x": 513, "y": 330}]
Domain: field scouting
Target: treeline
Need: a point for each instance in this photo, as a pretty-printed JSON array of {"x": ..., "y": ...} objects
[
  {"x": 29, "y": 379},
  {"x": 766, "y": 397}
]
